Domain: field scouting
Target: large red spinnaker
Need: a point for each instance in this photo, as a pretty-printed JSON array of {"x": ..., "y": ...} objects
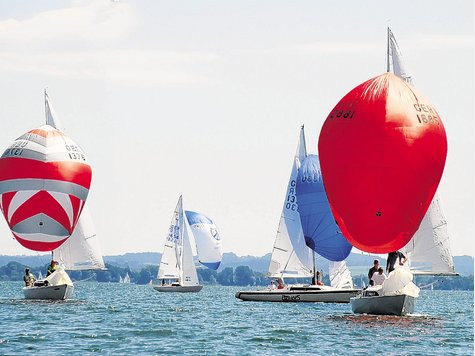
[
  {"x": 382, "y": 152},
  {"x": 44, "y": 182}
]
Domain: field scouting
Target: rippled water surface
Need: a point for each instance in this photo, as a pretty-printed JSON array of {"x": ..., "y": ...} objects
[{"x": 130, "y": 319}]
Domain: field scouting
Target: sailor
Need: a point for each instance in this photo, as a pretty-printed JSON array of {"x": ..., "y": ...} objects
[
  {"x": 52, "y": 267},
  {"x": 379, "y": 277},
  {"x": 372, "y": 271},
  {"x": 319, "y": 278},
  {"x": 392, "y": 258},
  {"x": 280, "y": 283},
  {"x": 28, "y": 278}
]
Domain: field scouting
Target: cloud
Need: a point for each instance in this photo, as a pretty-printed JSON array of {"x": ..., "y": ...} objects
[{"x": 91, "y": 40}]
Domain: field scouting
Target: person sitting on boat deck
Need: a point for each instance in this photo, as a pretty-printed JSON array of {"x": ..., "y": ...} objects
[
  {"x": 280, "y": 283},
  {"x": 53, "y": 267},
  {"x": 379, "y": 277},
  {"x": 392, "y": 258},
  {"x": 372, "y": 271},
  {"x": 28, "y": 278},
  {"x": 319, "y": 279}
]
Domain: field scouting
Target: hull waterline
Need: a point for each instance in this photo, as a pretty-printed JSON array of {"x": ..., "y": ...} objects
[
  {"x": 178, "y": 289},
  {"x": 384, "y": 305},
  {"x": 310, "y": 295},
  {"x": 59, "y": 292}
]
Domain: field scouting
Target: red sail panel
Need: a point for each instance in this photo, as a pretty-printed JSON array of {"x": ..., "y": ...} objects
[{"x": 382, "y": 151}]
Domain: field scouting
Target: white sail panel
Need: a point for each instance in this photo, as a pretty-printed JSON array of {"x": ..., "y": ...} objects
[
  {"x": 189, "y": 275},
  {"x": 170, "y": 263},
  {"x": 207, "y": 239},
  {"x": 82, "y": 250},
  {"x": 396, "y": 58},
  {"x": 51, "y": 117},
  {"x": 340, "y": 275},
  {"x": 428, "y": 251},
  {"x": 291, "y": 257}
]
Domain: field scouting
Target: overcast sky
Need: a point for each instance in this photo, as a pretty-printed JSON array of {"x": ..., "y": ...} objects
[{"x": 206, "y": 98}]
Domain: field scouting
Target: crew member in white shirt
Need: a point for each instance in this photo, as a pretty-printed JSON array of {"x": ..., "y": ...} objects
[{"x": 379, "y": 277}]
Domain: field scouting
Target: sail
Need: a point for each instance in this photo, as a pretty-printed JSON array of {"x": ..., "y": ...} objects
[
  {"x": 207, "y": 239},
  {"x": 170, "y": 263},
  {"x": 429, "y": 249},
  {"x": 321, "y": 232},
  {"x": 51, "y": 117},
  {"x": 340, "y": 275},
  {"x": 44, "y": 182},
  {"x": 189, "y": 275},
  {"x": 82, "y": 250},
  {"x": 290, "y": 256},
  {"x": 395, "y": 59}
]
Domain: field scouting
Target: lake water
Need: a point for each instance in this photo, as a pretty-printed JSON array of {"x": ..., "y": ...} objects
[{"x": 131, "y": 319}]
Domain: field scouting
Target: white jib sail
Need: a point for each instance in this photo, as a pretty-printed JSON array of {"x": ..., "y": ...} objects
[
  {"x": 340, "y": 275},
  {"x": 82, "y": 250},
  {"x": 207, "y": 239},
  {"x": 429, "y": 249},
  {"x": 291, "y": 257},
  {"x": 189, "y": 275},
  {"x": 170, "y": 263}
]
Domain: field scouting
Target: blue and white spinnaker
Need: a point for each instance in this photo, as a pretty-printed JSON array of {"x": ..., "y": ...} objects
[{"x": 208, "y": 241}]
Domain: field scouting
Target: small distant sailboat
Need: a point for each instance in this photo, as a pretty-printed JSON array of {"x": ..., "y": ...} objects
[
  {"x": 177, "y": 271},
  {"x": 121, "y": 280},
  {"x": 292, "y": 258},
  {"x": 40, "y": 275},
  {"x": 126, "y": 279},
  {"x": 81, "y": 251},
  {"x": 428, "y": 251}
]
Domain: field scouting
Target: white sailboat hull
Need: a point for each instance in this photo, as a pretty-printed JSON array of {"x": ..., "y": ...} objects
[
  {"x": 383, "y": 305},
  {"x": 311, "y": 294},
  {"x": 59, "y": 292},
  {"x": 178, "y": 289}
]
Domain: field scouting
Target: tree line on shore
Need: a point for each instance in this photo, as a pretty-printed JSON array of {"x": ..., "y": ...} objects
[{"x": 229, "y": 276}]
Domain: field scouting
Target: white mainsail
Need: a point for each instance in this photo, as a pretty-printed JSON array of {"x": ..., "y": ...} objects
[
  {"x": 291, "y": 257},
  {"x": 189, "y": 275},
  {"x": 340, "y": 275},
  {"x": 82, "y": 250},
  {"x": 428, "y": 251},
  {"x": 170, "y": 263},
  {"x": 177, "y": 258}
]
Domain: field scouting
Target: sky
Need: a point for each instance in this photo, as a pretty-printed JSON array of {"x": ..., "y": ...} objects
[{"x": 206, "y": 98}]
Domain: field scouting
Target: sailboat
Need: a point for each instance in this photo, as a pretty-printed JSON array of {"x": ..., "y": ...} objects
[
  {"x": 428, "y": 251},
  {"x": 126, "y": 279},
  {"x": 81, "y": 251},
  {"x": 177, "y": 271},
  {"x": 292, "y": 258},
  {"x": 121, "y": 280}
]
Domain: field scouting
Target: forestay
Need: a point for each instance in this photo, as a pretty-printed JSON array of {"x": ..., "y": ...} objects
[
  {"x": 207, "y": 238},
  {"x": 340, "y": 275},
  {"x": 321, "y": 232},
  {"x": 82, "y": 250},
  {"x": 429, "y": 249},
  {"x": 290, "y": 256}
]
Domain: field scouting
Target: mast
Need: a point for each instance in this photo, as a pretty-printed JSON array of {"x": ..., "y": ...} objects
[
  {"x": 387, "y": 54},
  {"x": 314, "y": 276}
]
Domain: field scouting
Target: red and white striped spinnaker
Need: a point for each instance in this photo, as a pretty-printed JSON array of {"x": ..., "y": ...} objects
[{"x": 44, "y": 182}]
